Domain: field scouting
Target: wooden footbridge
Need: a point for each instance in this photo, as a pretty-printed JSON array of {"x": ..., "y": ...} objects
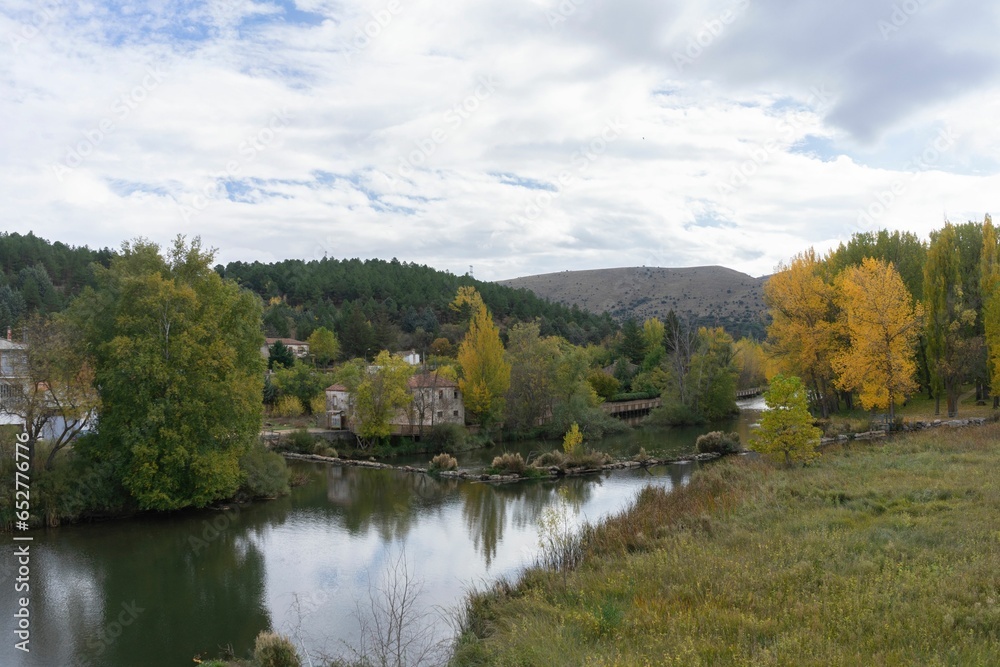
[
  {"x": 631, "y": 411},
  {"x": 750, "y": 393}
]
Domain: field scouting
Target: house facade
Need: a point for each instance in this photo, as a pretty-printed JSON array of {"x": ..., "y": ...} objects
[
  {"x": 337, "y": 407},
  {"x": 435, "y": 400},
  {"x": 299, "y": 348},
  {"x": 13, "y": 362}
]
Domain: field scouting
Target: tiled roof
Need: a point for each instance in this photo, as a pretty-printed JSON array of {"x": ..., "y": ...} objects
[
  {"x": 432, "y": 380},
  {"x": 336, "y": 387},
  {"x": 285, "y": 341}
]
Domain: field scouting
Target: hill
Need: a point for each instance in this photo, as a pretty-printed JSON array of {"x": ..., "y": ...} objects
[{"x": 703, "y": 295}]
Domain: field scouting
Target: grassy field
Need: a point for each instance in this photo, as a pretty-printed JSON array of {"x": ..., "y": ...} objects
[{"x": 883, "y": 554}]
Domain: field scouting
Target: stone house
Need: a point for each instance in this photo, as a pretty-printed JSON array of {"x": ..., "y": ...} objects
[{"x": 299, "y": 348}]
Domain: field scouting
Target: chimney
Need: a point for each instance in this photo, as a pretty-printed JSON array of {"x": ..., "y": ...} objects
[{"x": 8, "y": 334}]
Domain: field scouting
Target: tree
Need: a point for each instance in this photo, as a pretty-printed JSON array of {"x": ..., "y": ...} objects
[
  {"x": 532, "y": 362},
  {"x": 804, "y": 329},
  {"x": 301, "y": 381},
  {"x": 485, "y": 372},
  {"x": 179, "y": 372},
  {"x": 323, "y": 346},
  {"x": 53, "y": 394},
  {"x": 952, "y": 344},
  {"x": 633, "y": 344},
  {"x": 990, "y": 288},
  {"x": 786, "y": 426},
  {"x": 280, "y": 355},
  {"x": 380, "y": 394},
  {"x": 883, "y": 325}
]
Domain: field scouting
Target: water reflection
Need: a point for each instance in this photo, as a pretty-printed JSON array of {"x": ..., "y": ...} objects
[{"x": 170, "y": 588}]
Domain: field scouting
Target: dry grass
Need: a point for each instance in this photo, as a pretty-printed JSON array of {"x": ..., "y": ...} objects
[{"x": 885, "y": 554}]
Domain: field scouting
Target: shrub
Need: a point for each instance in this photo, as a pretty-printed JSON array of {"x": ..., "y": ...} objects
[
  {"x": 509, "y": 463},
  {"x": 444, "y": 462},
  {"x": 642, "y": 456},
  {"x": 572, "y": 440},
  {"x": 321, "y": 448},
  {"x": 589, "y": 459},
  {"x": 265, "y": 474},
  {"x": 448, "y": 436},
  {"x": 317, "y": 404},
  {"x": 549, "y": 459},
  {"x": 718, "y": 442},
  {"x": 274, "y": 650},
  {"x": 300, "y": 441},
  {"x": 288, "y": 406}
]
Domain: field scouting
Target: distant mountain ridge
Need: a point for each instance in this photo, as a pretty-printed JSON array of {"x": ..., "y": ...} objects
[{"x": 702, "y": 295}]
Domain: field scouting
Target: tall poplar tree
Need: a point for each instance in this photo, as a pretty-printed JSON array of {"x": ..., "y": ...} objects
[
  {"x": 485, "y": 372},
  {"x": 883, "y": 325},
  {"x": 990, "y": 289},
  {"x": 950, "y": 319}
]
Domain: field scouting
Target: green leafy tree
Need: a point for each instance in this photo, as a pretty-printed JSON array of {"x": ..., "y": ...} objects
[
  {"x": 323, "y": 346},
  {"x": 632, "y": 345},
  {"x": 786, "y": 426},
  {"x": 532, "y": 360},
  {"x": 381, "y": 393},
  {"x": 301, "y": 381},
  {"x": 990, "y": 288},
  {"x": 179, "y": 373}
]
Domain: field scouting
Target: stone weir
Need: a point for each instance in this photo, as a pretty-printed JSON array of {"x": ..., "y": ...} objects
[{"x": 552, "y": 472}]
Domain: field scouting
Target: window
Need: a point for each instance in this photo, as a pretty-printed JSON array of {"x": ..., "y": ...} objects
[
  {"x": 456, "y": 393},
  {"x": 440, "y": 413},
  {"x": 454, "y": 413},
  {"x": 441, "y": 394}
]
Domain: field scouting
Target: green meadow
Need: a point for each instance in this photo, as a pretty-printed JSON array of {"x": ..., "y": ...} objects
[{"x": 875, "y": 554}]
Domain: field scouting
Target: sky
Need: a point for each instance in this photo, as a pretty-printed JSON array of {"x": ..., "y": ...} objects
[{"x": 502, "y": 137}]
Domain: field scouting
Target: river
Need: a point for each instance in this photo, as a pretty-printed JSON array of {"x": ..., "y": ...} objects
[{"x": 159, "y": 591}]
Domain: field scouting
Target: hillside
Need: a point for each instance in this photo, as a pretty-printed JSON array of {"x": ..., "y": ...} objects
[{"x": 703, "y": 295}]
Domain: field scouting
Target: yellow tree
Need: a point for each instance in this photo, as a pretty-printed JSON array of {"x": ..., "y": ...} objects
[
  {"x": 883, "y": 325},
  {"x": 485, "y": 372},
  {"x": 804, "y": 328},
  {"x": 380, "y": 395}
]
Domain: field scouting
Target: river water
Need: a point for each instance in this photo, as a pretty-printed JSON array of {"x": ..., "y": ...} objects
[{"x": 163, "y": 590}]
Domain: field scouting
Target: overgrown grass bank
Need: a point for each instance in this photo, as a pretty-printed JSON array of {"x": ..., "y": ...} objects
[{"x": 885, "y": 554}]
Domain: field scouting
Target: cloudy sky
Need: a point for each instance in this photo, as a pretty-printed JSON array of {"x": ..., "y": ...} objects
[{"x": 512, "y": 136}]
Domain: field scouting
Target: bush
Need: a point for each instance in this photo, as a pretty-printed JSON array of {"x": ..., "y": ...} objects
[
  {"x": 274, "y": 650},
  {"x": 299, "y": 441},
  {"x": 288, "y": 406},
  {"x": 444, "y": 462},
  {"x": 265, "y": 474},
  {"x": 321, "y": 448},
  {"x": 509, "y": 463},
  {"x": 550, "y": 459},
  {"x": 718, "y": 442},
  {"x": 573, "y": 440},
  {"x": 317, "y": 404},
  {"x": 448, "y": 436}
]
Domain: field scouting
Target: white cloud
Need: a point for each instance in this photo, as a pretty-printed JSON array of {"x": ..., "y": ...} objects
[{"x": 457, "y": 134}]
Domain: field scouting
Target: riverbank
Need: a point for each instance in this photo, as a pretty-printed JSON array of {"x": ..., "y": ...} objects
[{"x": 881, "y": 553}]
